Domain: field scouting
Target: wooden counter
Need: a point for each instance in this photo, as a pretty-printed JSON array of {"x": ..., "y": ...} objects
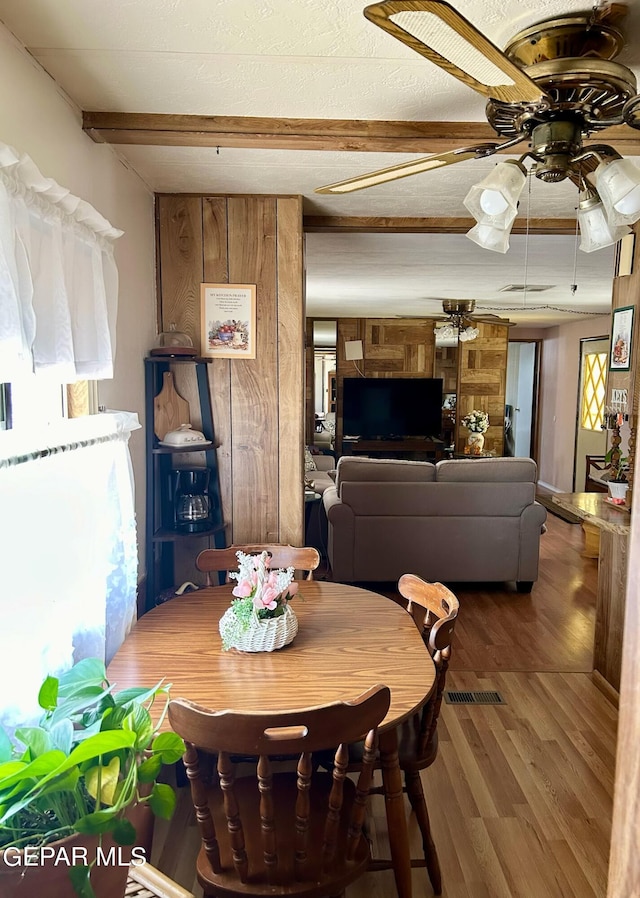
[{"x": 614, "y": 523}]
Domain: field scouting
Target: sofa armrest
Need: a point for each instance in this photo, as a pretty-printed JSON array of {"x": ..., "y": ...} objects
[
  {"x": 531, "y": 527},
  {"x": 325, "y": 462},
  {"x": 341, "y": 535}
]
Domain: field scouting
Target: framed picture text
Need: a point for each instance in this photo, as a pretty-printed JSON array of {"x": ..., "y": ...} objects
[{"x": 228, "y": 321}]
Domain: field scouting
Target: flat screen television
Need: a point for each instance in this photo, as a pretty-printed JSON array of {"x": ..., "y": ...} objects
[{"x": 392, "y": 407}]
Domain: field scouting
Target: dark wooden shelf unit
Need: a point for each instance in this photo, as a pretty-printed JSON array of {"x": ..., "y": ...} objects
[{"x": 160, "y": 535}]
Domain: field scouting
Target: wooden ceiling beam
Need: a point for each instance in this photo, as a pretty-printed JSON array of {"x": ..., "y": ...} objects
[
  {"x": 342, "y": 135},
  {"x": 363, "y": 224}
]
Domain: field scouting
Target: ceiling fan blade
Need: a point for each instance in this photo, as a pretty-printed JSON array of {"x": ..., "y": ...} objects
[
  {"x": 437, "y": 31},
  {"x": 491, "y": 319},
  {"x": 612, "y": 12},
  {"x": 404, "y": 169}
]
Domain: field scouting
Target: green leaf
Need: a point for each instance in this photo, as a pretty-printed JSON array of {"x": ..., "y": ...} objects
[
  {"x": 37, "y": 740},
  {"x": 8, "y": 768},
  {"x": 149, "y": 769},
  {"x": 162, "y": 800},
  {"x": 79, "y": 876},
  {"x": 124, "y": 832},
  {"x": 96, "y": 823},
  {"x": 88, "y": 672},
  {"x": 100, "y": 744},
  {"x": 104, "y": 779},
  {"x": 140, "y": 694},
  {"x": 62, "y": 735},
  {"x": 170, "y": 746},
  {"x": 40, "y": 767},
  {"x": 139, "y": 720},
  {"x": 86, "y": 698},
  {"x": 48, "y": 695},
  {"x": 112, "y": 718},
  {"x": 67, "y": 782},
  {"x": 6, "y": 748}
]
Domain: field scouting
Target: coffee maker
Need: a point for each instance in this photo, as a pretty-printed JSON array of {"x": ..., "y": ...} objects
[{"x": 191, "y": 501}]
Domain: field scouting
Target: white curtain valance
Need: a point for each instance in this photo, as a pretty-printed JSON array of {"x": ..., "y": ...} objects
[{"x": 58, "y": 278}]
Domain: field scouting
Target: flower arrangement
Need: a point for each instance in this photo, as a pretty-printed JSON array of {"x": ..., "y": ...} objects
[
  {"x": 476, "y": 421},
  {"x": 261, "y": 594}
]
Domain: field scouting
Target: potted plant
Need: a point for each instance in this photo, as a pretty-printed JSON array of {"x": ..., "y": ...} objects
[
  {"x": 616, "y": 475},
  {"x": 77, "y": 790}
]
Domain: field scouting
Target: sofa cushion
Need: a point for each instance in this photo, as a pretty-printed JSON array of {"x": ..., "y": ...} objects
[
  {"x": 400, "y": 500},
  {"x": 486, "y": 470},
  {"x": 352, "y": 468}
]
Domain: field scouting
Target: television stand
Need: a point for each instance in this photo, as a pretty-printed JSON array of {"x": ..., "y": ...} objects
[{"x": 415, "y": 448}]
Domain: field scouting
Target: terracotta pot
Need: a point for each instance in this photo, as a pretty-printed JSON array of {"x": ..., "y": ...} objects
[{"x": 47, "y": 879}]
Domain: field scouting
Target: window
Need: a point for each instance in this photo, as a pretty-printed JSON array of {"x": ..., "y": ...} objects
[{"x": 593, "y": 390}]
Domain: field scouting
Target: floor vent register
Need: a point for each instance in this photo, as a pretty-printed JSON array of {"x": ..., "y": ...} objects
[{"x": 460, "y": 697}]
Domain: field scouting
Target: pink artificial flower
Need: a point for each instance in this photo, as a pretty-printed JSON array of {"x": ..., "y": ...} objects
[
  {"x": 269, "y": 597},
  {"x": 292, "y": 588},
  {"x": 243, "y": 590}
]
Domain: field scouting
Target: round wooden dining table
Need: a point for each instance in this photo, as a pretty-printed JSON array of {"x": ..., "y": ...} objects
[{"x": 348, "y": 640}]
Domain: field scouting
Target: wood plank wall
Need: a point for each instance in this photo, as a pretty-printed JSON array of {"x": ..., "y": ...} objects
[
  {"x": 624, "y": 861},
  {"x": 401, "y": 347},
  {"x": 482, "y": 382},
  {"x": 258, "y": 407},
  {"x": 392, "y": 347}
]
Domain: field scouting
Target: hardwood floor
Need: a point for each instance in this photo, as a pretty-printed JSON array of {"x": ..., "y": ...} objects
[{"x": 520, "y": 795}]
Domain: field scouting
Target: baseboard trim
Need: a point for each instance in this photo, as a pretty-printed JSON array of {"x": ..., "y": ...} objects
[{"x": 606, "y": 688}]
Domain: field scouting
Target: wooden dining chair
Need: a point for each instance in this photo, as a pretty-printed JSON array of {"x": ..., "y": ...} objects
[
  {"x": 280, "y": 832},
  {"x": 304, "y": 559},
  {"x": 145, "y": 881},
  {"x": 418, "y": 736}
]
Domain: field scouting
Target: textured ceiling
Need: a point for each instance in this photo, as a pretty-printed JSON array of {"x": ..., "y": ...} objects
[{"x": 320, "y": 59}]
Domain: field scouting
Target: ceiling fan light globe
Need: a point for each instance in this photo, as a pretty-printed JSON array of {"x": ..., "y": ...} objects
[
  {"x": 630, "y": 203},
  {"x": 494, "y": 200},
  {"x": 488, "y": 237},
  {"x": 595, "y": 230},
  {"x": 469, "y": 333},
  {"x": 618, "y": 183}
]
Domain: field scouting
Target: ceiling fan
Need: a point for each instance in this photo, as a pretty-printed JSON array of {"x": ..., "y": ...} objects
[
  {"x": 460, "y": 321},
  {"x": 554, "y": 84}
]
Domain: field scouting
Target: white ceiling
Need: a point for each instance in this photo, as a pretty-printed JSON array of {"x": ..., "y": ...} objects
[{"x": 322, "y": 59}]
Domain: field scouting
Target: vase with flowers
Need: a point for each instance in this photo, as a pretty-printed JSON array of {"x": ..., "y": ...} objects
[
  {"x": 477, "y": 423},
  {"x": 260, "y": 618}
]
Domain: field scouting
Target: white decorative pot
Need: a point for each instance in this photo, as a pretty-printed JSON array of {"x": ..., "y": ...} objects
[{"x": 617, "y": 491}]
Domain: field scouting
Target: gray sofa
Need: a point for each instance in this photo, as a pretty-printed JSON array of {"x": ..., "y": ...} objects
[{"x": 458, "y": 520}]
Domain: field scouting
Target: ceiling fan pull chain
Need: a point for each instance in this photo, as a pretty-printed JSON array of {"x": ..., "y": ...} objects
[
  {"x": 574, "y": 285},
  {"x": 526, "y": 241}
]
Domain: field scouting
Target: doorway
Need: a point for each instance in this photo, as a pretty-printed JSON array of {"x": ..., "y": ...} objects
[
  {"x": 591, "y": 439},
  {"x": 521, "y": 409}
]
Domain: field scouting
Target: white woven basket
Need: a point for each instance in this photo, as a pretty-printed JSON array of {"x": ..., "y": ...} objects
[{"x": 263, "y": 635}]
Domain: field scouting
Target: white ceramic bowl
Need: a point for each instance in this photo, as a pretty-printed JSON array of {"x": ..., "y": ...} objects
[{"x": 183, "y": 436}]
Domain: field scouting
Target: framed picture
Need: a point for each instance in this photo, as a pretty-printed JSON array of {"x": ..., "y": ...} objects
[
  {"x": 228, "y": 321},
  {"x": 621, "y": 336}
]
